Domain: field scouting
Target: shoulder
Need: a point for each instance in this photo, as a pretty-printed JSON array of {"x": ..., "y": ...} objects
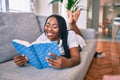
[
  {"x": 71, "y": 32},
  {"x": 72, "y": 40}
]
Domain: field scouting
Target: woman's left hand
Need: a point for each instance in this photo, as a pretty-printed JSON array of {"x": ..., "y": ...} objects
[{"x": 59, "y": 62}]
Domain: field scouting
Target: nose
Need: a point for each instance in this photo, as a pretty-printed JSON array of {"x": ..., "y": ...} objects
[{"x": 50, "y": 28}]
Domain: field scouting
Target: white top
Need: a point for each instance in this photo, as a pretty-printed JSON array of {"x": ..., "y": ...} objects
[{"x": 73, "y": 41}]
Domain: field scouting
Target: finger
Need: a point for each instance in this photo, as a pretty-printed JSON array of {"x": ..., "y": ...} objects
[
  {"x": 50, "y": 54},
  {"x": 19, "y": 58},
  {"x": 55, "y": 65},
  {"x": 49, "y": 60},
  {"x": 16, "y": 57},
  {"x": 52, "y": 62},
  {"x": 24, "y": 56},
  {"x": 20, "y": 63}
]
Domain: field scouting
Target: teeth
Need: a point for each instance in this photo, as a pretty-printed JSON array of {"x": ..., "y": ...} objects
[{"x": 49, "y": 34}]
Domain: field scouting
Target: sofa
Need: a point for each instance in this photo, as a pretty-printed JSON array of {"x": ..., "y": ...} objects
[{"x": 28, "y": 26}]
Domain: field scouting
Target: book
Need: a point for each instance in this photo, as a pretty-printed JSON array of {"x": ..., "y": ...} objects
[{"x": 37, "y": 51}]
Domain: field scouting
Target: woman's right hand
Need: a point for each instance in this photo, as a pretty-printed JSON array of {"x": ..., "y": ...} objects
[{"x": 20, "y": 60}]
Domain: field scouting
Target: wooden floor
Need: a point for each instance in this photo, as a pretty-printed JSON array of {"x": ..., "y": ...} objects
[{"x": 109, "y": 65}]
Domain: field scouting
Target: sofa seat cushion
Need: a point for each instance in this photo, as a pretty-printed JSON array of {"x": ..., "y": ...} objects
[
  {"x": 16, "y": 25},
  {"x": 13, "y": 72},
  {"x": 90, "y": 47}
]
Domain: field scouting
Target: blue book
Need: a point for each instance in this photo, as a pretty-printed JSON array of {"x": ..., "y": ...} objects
[{"x": 36, "y": 52}]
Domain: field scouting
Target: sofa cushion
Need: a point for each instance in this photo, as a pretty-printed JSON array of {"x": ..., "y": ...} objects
[
  {"x": 16, "y": 25},
  {"x": 28, "y": 72},
  {"x": 13, "y": 72},
  {"x": 88, "y": 33}
]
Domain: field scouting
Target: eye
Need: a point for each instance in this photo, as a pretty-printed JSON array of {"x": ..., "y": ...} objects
[
  {"x": 55, "y": 26},
  {"x": 47, "y": 25}
]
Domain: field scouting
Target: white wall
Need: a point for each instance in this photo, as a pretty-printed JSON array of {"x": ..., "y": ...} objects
[
  {"x": 44, "y": 8},
  {"x": 0, "y": 5},
  {"x": 20, "y": 6},
  {"x": 3, "y": 6},
  {"x": 82, "y": 21}
]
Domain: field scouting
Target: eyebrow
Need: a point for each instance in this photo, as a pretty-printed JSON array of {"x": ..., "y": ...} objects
[{"x": 52, "y": 24}]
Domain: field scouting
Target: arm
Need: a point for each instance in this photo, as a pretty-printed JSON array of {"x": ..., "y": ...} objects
[
  {"x": 75, "y": 56},
  {"x": 76, "y": 29},
  {"x": 63, "y": 62}
]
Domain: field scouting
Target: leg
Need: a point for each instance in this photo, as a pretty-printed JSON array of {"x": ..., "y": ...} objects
[
  {"x": 72, "y": 19},
  {"x": 70, "y": 16},
  {"x": 76, "y": 15},
  {"x": 76, "y": 29}
]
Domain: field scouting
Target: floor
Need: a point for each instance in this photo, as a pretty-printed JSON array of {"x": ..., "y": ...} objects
[
  {"x": 105, "y": 35},
  {"x": 108, "y": 65}
]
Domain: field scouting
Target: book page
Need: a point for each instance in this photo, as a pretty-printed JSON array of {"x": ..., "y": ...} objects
[
  {"x": 38, "y": 42},
  {"x": 27, "y": 44}
]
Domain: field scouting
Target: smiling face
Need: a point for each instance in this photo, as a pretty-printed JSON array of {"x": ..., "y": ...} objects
[{"x": 52, "y": 29}]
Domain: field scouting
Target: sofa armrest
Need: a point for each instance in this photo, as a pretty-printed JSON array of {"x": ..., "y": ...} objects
[{"x": 88, "y": 33}]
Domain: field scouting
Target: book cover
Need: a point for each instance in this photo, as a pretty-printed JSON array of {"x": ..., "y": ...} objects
[
  {"x": 43, "y": 50},
  {"x": 36, "y": 52}
]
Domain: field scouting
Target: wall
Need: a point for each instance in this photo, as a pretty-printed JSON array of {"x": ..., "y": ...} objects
[
  {"x": 42, "y": 7},
  {"x": 0, "y": 5},
  {"x": 15, "y": 6},
  {"x": 3, "y": 7},
  {"x": 19, "y": 6},
  {"x": 89, "y": 13},
  {"x": 95, "y": 14},
  {"x": 82, "y": 21}
]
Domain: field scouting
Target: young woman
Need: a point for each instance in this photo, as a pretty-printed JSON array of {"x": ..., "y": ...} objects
[{"x": 56, "y": 30}]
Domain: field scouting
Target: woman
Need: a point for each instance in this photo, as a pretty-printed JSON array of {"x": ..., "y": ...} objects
[{"x": 56, "y": 30}]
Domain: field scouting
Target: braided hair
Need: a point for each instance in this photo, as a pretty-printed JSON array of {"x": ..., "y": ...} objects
[{"x": 63, "y": 32}]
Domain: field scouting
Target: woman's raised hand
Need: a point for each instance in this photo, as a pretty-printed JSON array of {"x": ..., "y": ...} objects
[
  {"x": 20, "y": 60},
  {"x": 58, "y": 62}
]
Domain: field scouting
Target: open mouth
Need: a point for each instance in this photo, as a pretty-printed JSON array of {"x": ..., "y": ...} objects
[{"x": 49, "y": 34}]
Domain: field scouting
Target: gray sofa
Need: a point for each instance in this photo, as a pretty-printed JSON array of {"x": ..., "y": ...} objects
[{"x": 28, "y": 26}]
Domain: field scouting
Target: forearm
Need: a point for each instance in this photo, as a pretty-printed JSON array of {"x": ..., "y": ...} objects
[
  {"x": 74, "y": 61},
  {"x": 76, "y": 29}
]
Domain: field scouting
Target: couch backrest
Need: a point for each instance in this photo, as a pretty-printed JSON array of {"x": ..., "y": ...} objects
[
  {"x": 41, "y": 21},
  {"x": 16, "y": 25}
]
